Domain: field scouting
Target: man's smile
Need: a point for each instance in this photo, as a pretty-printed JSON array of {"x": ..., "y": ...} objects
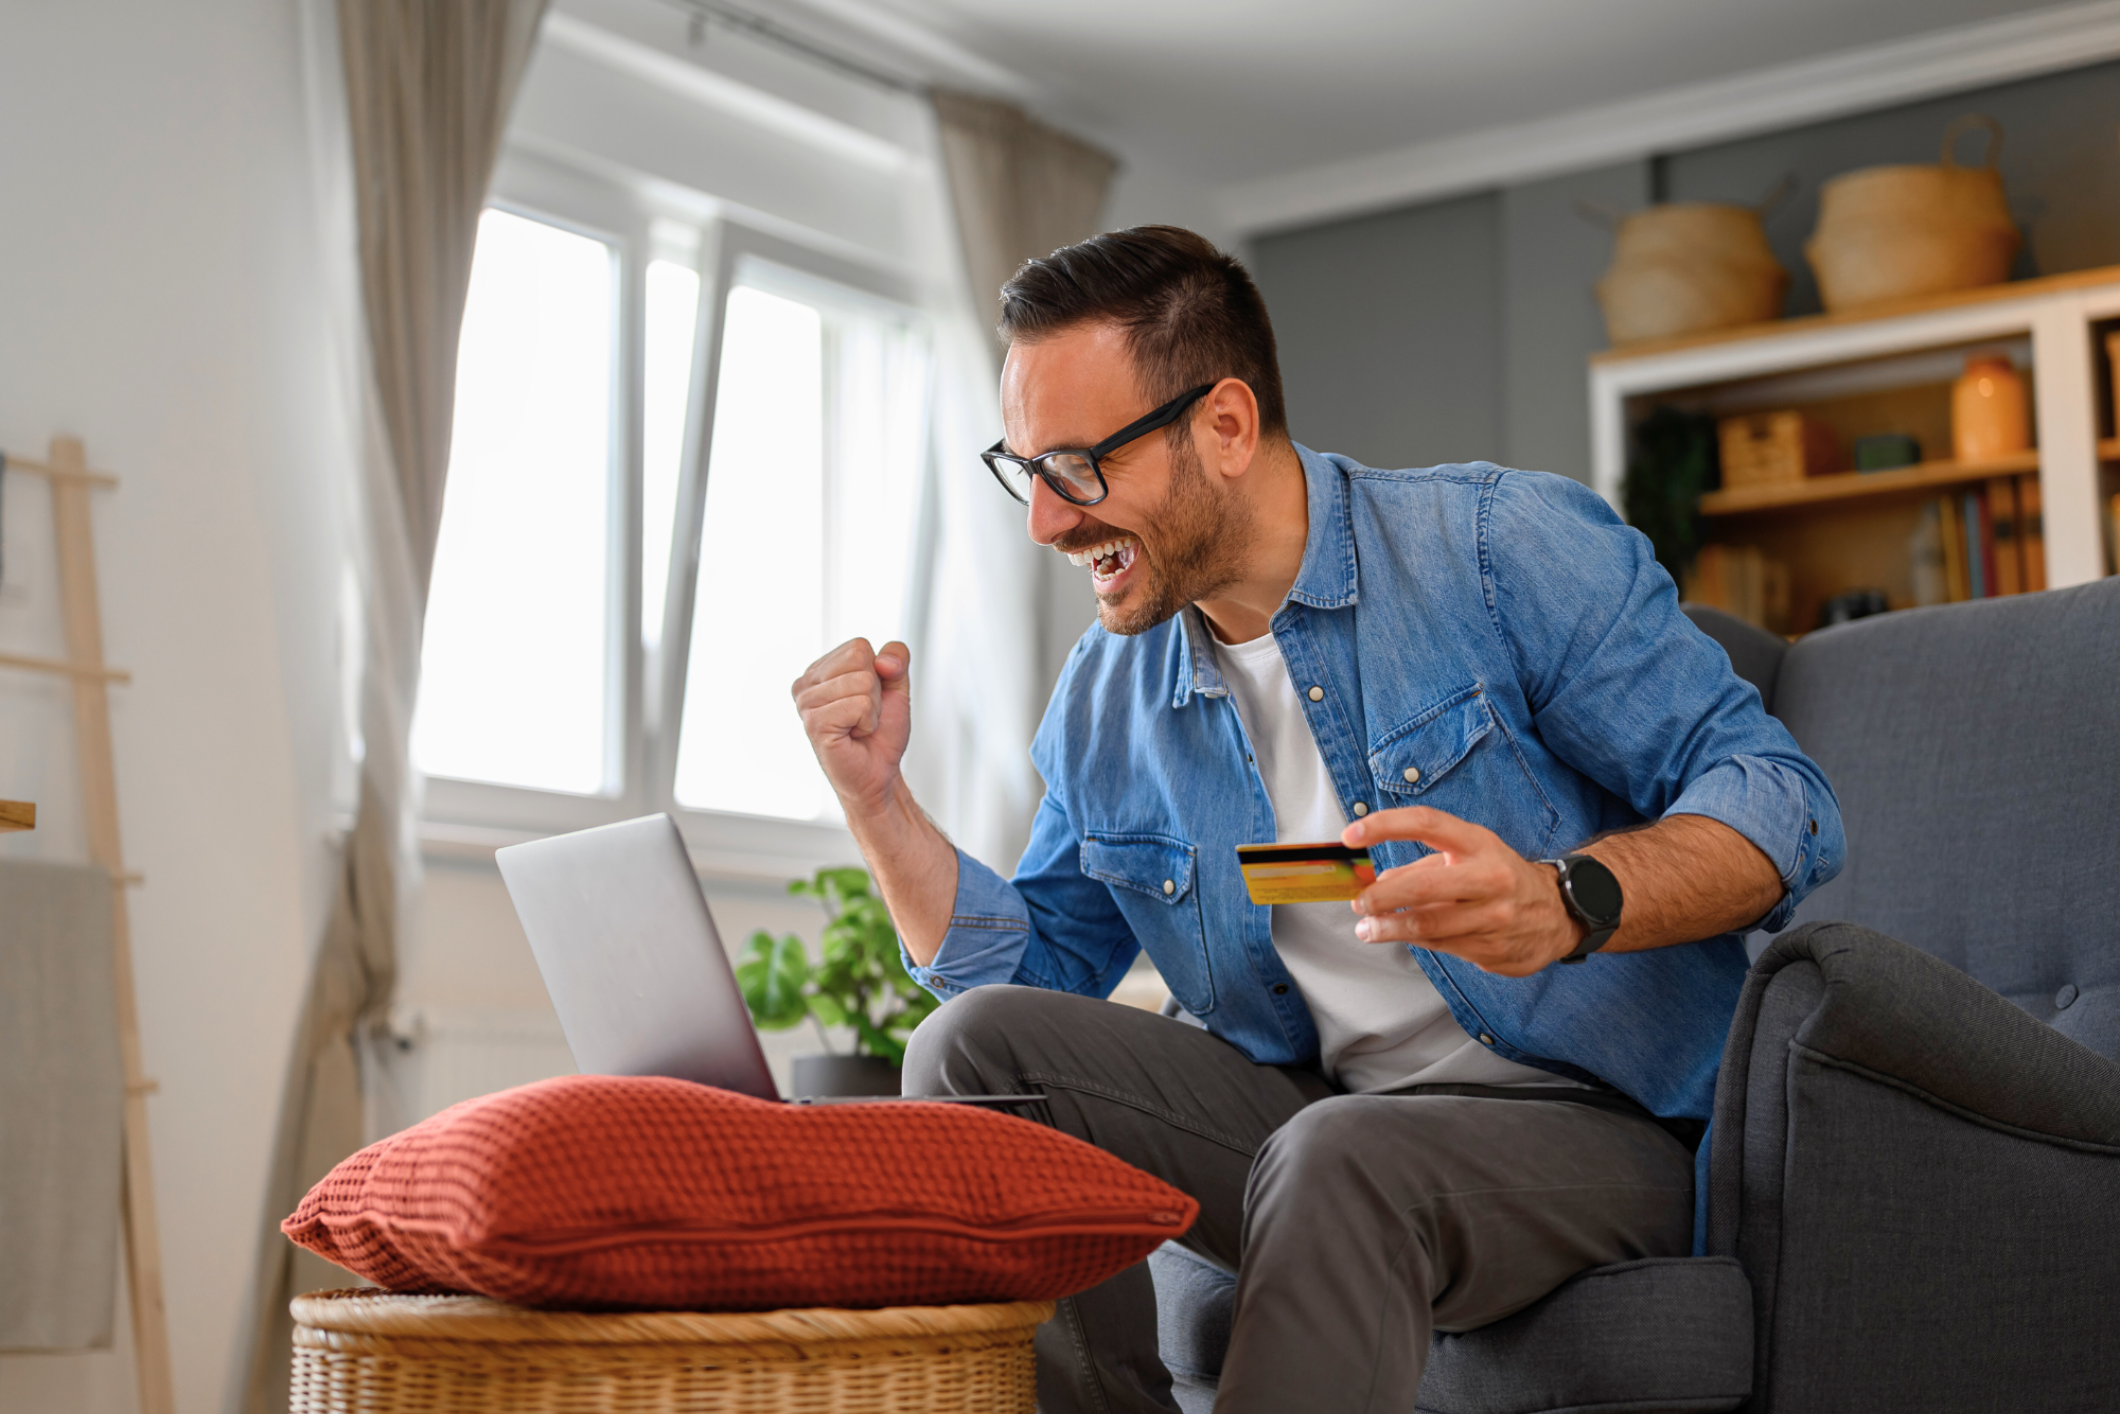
[{"x": 1108, "y": 559}]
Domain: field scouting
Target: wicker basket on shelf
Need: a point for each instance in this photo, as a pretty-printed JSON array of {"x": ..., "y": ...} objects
[
  {"x": 1890, "y": 233},
  {"x": 386, "y": 1354}
]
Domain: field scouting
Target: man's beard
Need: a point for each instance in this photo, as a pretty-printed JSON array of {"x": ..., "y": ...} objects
[{"x": 1199, "y": 546}]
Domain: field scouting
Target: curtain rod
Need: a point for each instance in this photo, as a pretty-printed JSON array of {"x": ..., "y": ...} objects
[{"x": 772, "y": 32}]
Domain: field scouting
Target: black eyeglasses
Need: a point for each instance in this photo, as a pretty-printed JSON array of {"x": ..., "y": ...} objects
[{"x": 1074, "y": 473}]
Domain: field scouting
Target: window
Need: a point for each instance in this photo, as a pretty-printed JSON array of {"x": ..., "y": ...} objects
[
  {"x": 811, "y": 481},
  {"x": 512, "y": 669},
  {"x": 675, "y": 481}
]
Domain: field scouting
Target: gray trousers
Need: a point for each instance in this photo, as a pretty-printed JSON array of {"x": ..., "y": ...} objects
[{"x": 1356, "y": 1224}]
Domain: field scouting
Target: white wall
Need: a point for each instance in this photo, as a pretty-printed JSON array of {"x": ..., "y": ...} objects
[{"x": 159, "y": 298}]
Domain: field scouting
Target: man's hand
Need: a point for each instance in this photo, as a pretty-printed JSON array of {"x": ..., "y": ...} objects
[
  {"x": 1686, "y": 877},
  {"x": 858, "y": 712},
  {"x": 1475, "y": 896}
]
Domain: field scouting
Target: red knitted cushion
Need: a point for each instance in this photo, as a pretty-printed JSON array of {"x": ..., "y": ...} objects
[{"x": 603, "y": 1191}]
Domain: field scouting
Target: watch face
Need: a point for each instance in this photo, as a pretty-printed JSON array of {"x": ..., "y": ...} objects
[{"x": 1594, "y": 889}]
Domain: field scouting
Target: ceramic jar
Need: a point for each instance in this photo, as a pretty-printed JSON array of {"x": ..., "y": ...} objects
[{"x": 1990, "y": 414}]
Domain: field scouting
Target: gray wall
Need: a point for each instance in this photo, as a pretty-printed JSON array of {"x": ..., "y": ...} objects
[
  {"x": 1551, "y": 258},
  {"x": 1390, "y": 347},
  {"x": 1461, "y": 329}
]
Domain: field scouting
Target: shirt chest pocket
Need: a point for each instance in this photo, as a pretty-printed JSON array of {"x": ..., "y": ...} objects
[
  {"x": 1152, "y": 879},
  {"x": 1456, "y": 757}
]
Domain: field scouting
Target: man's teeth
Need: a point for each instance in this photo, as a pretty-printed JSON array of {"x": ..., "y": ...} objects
[{"x": 1098, "y": 552}]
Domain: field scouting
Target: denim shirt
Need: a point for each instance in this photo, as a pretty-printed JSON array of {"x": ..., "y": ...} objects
[{"x": 1492, "y": 643}]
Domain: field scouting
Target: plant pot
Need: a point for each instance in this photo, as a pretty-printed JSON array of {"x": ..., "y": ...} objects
[{"x": 845, "y": 1075}]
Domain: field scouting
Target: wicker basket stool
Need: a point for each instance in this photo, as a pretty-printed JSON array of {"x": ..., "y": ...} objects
[{"x": 378, "y": 1353}]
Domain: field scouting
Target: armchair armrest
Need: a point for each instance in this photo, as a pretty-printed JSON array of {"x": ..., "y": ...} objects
[
  {"x": 1906, "y": 1018},
  {"x": 1919, "y": 1179}
]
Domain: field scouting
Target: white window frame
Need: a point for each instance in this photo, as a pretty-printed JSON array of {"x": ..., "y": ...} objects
[{"x": 641, "y": 747}]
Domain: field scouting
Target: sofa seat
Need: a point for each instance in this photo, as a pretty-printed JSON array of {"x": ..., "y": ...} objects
[{"x": 1672, "y": 1335}]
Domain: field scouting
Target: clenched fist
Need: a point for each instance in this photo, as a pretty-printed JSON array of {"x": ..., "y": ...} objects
[{"x": 858, "y": 712}]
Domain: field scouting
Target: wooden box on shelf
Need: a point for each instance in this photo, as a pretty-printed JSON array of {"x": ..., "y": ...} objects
[
  {"x": 1774, "y": 448},
  {"x": 2112, "y": 363}
]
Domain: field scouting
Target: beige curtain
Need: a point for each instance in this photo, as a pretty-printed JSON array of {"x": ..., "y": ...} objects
[
  {"x": 1002, "y": 612},
  {"x": 428, "y": 85},
  {"x": 1020, "y": 189}
]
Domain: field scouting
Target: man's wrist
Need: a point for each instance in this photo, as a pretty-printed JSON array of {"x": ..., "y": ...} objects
[
  {"x": 885, "y": 819},
  {"x": 1590, "y": 895},
  {"x": 1568, "y": 930},
  {"x": 913, "y": 863}
]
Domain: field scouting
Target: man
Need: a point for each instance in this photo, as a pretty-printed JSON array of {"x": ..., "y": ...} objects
[{"x": 1428, "y": 1110}]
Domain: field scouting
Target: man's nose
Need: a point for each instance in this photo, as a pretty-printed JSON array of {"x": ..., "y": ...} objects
[{"x": 1051, "y": 515}]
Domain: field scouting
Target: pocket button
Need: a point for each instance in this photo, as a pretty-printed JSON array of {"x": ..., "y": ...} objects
[
  {"x": 1170, "y": 886},
  {"x": 1413, "y": 774}
]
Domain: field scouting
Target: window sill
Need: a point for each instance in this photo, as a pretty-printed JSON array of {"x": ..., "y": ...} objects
[{"x": 745, "y": 850}]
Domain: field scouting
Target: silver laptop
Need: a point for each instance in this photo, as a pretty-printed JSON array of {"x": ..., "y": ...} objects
[{"x": 633, "y": 962}]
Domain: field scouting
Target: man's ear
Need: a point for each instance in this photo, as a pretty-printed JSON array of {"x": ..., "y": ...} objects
[{"x": 1227, "y": 433}]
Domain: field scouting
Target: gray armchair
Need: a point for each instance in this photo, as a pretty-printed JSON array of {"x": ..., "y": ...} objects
[{"x": 1914, "y": 1199}]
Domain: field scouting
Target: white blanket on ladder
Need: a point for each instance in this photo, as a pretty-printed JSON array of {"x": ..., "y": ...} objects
[{"x": 62, "y": 1094}]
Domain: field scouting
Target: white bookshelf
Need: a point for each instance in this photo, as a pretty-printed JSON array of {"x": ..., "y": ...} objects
[{"x": 2054, "y": 329}]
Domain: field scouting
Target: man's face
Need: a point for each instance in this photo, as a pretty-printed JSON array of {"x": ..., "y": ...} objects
[{"x": 1170, "y": 533}]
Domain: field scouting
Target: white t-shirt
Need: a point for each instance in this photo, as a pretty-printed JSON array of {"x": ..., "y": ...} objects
[{"x": 1381, "y": 1023}]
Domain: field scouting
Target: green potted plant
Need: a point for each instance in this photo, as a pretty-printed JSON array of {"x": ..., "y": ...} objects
[{"x": 860, "y": 982}]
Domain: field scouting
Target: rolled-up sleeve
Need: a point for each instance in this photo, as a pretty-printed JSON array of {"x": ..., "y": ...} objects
[
  {"x": 1790, "y": 815},
  {"x": 1051, "y": 926},
  {"x": 990, "y": 930},
  {"x": 1626, "y": 690}
]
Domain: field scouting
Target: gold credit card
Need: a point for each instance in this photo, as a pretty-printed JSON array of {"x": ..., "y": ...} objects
[{"x": 1304, "y": 873}]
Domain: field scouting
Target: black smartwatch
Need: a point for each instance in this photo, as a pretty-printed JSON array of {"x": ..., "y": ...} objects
[{"x": 1592, "y": 895}]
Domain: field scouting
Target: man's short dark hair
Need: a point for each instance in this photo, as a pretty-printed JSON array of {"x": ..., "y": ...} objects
[{"x": 1191, "y": 313}]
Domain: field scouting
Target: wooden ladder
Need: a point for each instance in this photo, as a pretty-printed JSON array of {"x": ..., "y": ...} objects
[{"x": 71, "y": 481}]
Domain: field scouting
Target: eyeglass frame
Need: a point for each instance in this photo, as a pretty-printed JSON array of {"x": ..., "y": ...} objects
[{"x": 1140, "y": 427}]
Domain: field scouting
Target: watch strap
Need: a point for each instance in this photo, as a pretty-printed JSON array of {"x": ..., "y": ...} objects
[
  {"x": 1593, "y": 939},
  {"x": 1596, "y": 932}
]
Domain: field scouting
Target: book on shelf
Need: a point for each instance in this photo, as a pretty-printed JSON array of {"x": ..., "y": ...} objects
[
  {"x": 1927, "y": 558},
  {"x": 2002, "y": 520},
  {"x": 1979, "y": 544},
  {"x": 1957, "y": 580},
  {"x": 1743, "y": 581},
  {"x": 2031, "y": 534},
  {"x": 1987, "y": 541}
]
